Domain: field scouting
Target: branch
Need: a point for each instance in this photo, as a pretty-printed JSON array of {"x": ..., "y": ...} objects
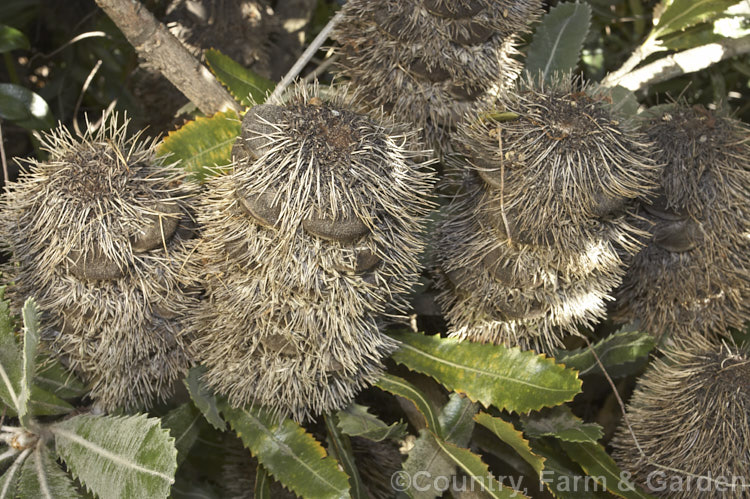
[
  {"x": 688, "y": 61},
  {"x": 165, "y": 53}
]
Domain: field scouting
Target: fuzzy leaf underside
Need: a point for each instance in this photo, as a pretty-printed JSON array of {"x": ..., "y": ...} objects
[
  {"x": 203, "y": 398},
  {"x": 9, "y": 479},
  {"x": 558, "y": 40},
  {"x": 402, "y": 388},
  {"x": 42, "y": 478},
  {"x": 290, "y": 454},
  {"x": 356, "y": 421},
  {"x": 506, "y": 432},
  {"x": 245, "y": 85},
  {"x": 183, "y": 424},
  {"x": 115, "y": 457},
  {"x": 203, "y": 146},
  {"x": 595, "y": 461},
  {"x": 563, "y": 478},
  {"x": 507, "y": 378},
  {"x": 30, "y": 314},
  {"x": 561, "y": 423},
  {"x": 680, "y": 14},
  {"x": 622, "y": 354}
]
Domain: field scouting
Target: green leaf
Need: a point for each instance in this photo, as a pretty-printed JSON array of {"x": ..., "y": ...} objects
[
  {"x": 55, "y": 379},
  {"x": 115, "y": 457},
  {"x": 564, "y": 478},
  {"x": 340, "y": 448},
  {"x": 561, "y": 423},
  {"x": 203, "y": 398},
  {"x": 11, "y": 365},
  {"x": 558, "y": 40},
  {"x": 42, "y": 478},
  {"x": 9, "y": 479},
  {"x": 204, "y": 145},
  {"x": 43, "y": 403},
  {"x": 479, "y": 472},
  {"x": 506, "y": 432},
  {"x": 356, "y": 421},
  {"x": 402, "y": 388},
  {"x": 245, "y": 85},
  {"x": 680, "y": 14},
  {"x": 427, "y": 458},
  {"x": 597, "y": 464},
  {"x": 24, "y": 107},
  {"x": 622, "y": 354},
  {"x": 30, "y": 314},
  {"x": 507, "y": 378},
  {"x": 262, "y": 483},
  {"x": 183, "y": 424},
  {"x": 12, "y": 39},
  {"x": 288, "y": 453}
]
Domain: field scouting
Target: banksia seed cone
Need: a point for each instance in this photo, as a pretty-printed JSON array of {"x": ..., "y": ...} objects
[
  {"x": 694, "y": 276},
  {"x": 306, "y": 243},
  {"x": 98, "y": 235},
  {"x": 689, "y": 413},
  {"x": 432, "y": 61},
  {"x": 532, "y": 246}
]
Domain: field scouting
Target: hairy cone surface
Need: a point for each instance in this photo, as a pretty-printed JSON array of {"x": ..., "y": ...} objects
[
  {"x": 532, "y": 246},
  {"x": 689, "y": 414},
  {"x": 99, "y": 233},
  {"x": 307, "y": 243}
]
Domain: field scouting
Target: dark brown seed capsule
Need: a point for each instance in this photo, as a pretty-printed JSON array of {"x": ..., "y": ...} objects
[
  {"x": 260, "y": 207},
  {"x": 93, "y": 266},
  {"x": 256, "y": 126},
  {"x": 677, "y": 236},
  {"x": 475, "y": 34},
  {"x": 344, "y": 230},
  {"x": 453, "y": 9},
  {"x": 280, "y": 344},
  {"x": 659, "y": 208},
  {"x": 365, "y": 260},
  {"x": 160, "y": 229},
  {"x": 433, "y": 73}
]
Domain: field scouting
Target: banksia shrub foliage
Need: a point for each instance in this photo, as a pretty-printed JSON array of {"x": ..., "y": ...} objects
[
  {"x": 98, "y": 234},
  {"x": 532, "y": 246},
  {"x": 307, "y": 242},
  {"x": 694, "y": 276},
  {"x": 689, "y": 415},
  {"x": 432, "y": 61}
]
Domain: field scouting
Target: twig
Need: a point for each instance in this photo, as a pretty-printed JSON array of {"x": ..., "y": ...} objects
[
  {"x": 164, "y": 52},
  {"x": 306, "y": 56},
  {"x": 5, "y": 177},
  {"x": 688, "y": 61},
  {"x": 85, "y": 87},
  {"x": 640, "y": 54},
  {"x": 321, "y": 68}
]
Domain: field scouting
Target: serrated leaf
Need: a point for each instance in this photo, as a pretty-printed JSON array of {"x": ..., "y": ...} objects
[
  {"x": 595, "y": 461},
  {"x": 245, "y": 85},
  {"x": 262, "y": 483},
  {"x": 356, "y": 421},
  {"x": 52, "y": 377},
  {"x": 203, "y": 398},
  {"x": 12, "y": 39},
  {"x": 680, "y": 14},
  {"x": 561, "y": 423},
  {"x": 402, "y": 388},
  {"x": 564, "y": 478},
  {"x": 182, "y": 423},
  {"x": 115, "y": 457},
  {"x": 43, "y": 403},
  {"x": 42, "y": 478},
  {"x": 24, "y": 107},
  {"x": 203, "y": 146},
  {"x": 558, "y": 40},
  {"x": 30, "y": 314},
  {"x": 507, "y": 378},
  {"x": 341, "y": 449},
  {"x": 427, "y": 458},
  {"x": 479, "y": 472},
  {"x": 290, "y": 454},
  {"x": 9, "y": 479},
  {"x": 11, "y": 365},
  {"x": 506, "y": 432},
  {"x": 622, "y": 354}
]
